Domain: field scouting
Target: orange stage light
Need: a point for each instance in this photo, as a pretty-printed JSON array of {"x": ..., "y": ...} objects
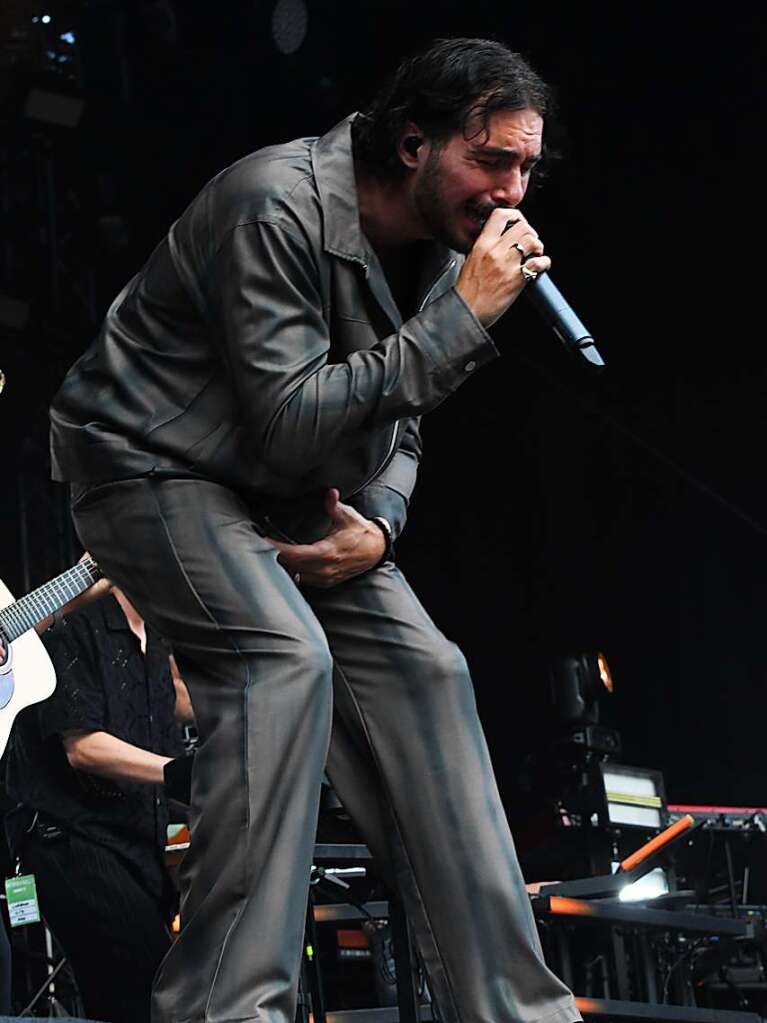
[
  {"x": 587, "y": 1005},
  {"x": 560, "y": 905},
  {"x": 352, "y": 939}
]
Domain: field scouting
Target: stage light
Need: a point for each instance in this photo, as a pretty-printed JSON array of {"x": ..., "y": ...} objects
[
  {"x": 634, "y": 796},
  {"x": 290, "y": 20},
  {"x": 46, "y": 19},
  {"x": 577, "y": 683},
  {"x": 604, "y": 673}
]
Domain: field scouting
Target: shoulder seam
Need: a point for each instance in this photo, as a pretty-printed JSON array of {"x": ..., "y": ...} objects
[{"x": 266, "y": 219}]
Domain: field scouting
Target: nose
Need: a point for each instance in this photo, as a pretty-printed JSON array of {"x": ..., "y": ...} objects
[{"x": 509, "y": 189}]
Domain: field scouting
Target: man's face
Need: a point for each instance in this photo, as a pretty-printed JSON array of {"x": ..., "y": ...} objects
[{"x": 457, "y": 187}]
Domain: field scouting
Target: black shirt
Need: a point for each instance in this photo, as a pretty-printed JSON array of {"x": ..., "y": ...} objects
[{"x": 104, "y": 683}]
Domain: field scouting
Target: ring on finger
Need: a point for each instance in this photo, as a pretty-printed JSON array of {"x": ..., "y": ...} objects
[
  {"x": 528, "y": 274},
  {"x": 520, "y": 250},
  {"x": 297, "y": 578}
]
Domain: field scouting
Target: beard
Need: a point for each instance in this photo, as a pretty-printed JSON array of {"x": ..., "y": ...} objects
[{"x": 440, "y": 216}]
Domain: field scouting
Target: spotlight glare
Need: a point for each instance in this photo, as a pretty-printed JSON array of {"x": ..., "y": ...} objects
[
  {"x": 648, "y": 887},
  {"x": 46, "y": 19}
]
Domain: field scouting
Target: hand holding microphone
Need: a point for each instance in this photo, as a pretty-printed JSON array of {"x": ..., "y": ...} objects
[
  {"x": 492, "y": 277},
  {"x": 507, "y": 259}
]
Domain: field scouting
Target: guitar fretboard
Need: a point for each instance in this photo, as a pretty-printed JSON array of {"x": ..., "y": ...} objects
[{"x": 18, "y": 618}]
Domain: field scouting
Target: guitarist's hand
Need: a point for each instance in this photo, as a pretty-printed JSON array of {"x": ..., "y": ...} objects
[
  {"x": 353, "y": 545},
  {"x": 101, "y": 588}
]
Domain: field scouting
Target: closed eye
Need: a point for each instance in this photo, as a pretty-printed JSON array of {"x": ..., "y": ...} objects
[{"x": 498, "y": 163}]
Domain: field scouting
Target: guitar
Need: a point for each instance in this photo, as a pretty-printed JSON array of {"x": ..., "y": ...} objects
[{"x": 23, "y": 653}]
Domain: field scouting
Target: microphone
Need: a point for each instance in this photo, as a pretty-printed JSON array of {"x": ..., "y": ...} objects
[{"x": 554, "y": 308}]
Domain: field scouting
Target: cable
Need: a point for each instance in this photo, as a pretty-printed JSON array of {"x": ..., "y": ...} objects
[{"x": 675, "y": 965}]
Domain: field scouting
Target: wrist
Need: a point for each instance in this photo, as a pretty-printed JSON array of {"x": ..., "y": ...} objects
[{"x": 388, "y": 535}]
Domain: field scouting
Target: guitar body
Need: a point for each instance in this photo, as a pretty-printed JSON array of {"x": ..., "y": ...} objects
[{"x": 26, "y": 674}]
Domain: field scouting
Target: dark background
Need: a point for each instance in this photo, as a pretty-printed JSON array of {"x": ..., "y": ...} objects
[{"x": 555, "y": 512}]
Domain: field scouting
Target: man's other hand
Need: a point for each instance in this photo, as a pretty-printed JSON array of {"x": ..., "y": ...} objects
[{"x": 353, "y": 546}]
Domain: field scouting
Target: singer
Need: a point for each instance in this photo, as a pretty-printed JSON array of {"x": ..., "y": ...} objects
[{"x": 242, "y": 439}]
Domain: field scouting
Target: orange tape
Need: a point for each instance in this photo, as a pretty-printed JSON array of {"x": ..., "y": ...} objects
[
  {"x": 181, "y": 837},
  {"x": 683, "y": 824}
]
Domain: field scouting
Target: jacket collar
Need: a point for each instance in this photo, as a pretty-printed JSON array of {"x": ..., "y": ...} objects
[
  {"x": 333, "y": 165},
  {"x": 334, "y": 173}
]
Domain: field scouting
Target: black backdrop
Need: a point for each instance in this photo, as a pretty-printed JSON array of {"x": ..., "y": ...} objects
[{"x": 550, "y": 513}]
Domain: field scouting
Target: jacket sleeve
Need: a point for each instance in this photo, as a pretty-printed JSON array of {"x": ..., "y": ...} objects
[
  {"x": 264, "y": 295},
  {"x": 389, "y": 493}
]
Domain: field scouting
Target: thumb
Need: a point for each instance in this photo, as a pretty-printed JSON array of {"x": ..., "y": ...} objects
[{"x": 333, "y": 503}]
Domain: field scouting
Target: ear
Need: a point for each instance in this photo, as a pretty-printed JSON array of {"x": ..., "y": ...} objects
[{"x": 412, "y": 146}]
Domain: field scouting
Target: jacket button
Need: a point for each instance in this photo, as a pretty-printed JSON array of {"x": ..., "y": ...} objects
[{"x": 470, "y": 366}]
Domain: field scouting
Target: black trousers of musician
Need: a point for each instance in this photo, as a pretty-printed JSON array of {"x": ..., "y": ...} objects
[
  {"x": 113, "y": 931},
  {"x": 269, "y": 666}
]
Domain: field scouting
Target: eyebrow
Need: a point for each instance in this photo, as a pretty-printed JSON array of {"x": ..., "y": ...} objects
[{"x": 502, "y": 152}]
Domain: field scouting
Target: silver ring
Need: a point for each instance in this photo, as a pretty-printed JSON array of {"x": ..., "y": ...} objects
[
  {"x": 297, "y": 578},
  {"x": 528, "y": 274}
]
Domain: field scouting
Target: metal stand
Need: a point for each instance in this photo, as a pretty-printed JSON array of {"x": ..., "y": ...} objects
[
  {"x": 408, "y": 1008},
  {"x": 311, "y": 977},
  {"x": 47, "y": 994}
]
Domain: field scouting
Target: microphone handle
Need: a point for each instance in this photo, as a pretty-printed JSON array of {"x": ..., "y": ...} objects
[{"x": 554, "y": 308}]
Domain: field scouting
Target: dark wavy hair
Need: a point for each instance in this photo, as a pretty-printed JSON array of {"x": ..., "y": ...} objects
[{"x": 452, "y": 85}]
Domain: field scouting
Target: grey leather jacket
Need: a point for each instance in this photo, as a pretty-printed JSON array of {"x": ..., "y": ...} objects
[{"x": 261, "y": 347}]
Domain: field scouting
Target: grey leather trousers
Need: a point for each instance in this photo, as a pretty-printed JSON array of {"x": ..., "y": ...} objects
[{"x": 270, "y": 667}]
